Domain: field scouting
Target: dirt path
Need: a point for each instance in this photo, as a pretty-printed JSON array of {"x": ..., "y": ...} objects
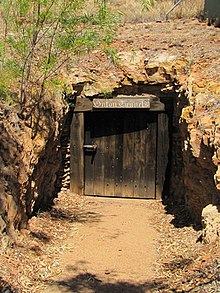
[
  {"x": 113, "y": 250},
  {"x": 101, "y": 245}
]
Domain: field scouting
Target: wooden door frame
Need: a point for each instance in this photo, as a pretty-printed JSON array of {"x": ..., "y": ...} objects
[{"x": 77, "y": 133}]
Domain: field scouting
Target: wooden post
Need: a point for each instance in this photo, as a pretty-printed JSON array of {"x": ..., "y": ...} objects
[
  {"x": 162, "y": 152},
  {"x": 76, "y": 154}
]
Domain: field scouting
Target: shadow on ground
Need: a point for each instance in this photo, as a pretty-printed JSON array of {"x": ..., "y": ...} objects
[
  {"x": 84, "y": 282},
  {"x": 41, "y": 236},
  {"x": 79, "y": 216},
  {"x": 6, "y": 287},
  {"x": 182, "y": 217}
]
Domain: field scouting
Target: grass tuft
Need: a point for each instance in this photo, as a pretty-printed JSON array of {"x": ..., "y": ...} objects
[{"x": 150, "y": 10}]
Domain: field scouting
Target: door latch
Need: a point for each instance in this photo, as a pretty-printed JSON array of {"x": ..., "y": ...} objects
[{"x": 90, "y": 147}]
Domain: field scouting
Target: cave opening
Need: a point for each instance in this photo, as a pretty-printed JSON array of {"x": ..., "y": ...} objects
[{"x": 71, "y": 174}]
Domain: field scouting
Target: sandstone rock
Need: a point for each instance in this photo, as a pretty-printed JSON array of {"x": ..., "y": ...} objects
[
  {"x": 195, "y": 141},
  {"x": 165, "y": 57},
  {"x": 2, "y": 225},
  {"x": 132, "y": 64},
  {"x": 211, "y": 223},
  {"x": 217, "y": 178}
]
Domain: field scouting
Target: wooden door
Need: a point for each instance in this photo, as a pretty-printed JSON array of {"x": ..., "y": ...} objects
[{"x": 120, "y": 153}]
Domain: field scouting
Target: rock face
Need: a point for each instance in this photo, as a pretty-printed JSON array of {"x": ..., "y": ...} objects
[
  {"x": 179, "y": 66},
  {"x": 29, "y": 160},
  {"x": 201, "y": 156},
  {"x": 12, "y": 207},
  {"x": 211, "y": 223}
]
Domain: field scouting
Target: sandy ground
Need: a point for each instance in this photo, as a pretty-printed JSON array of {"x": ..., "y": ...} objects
[
  {"x": 113, "y": 251},
  {"x": 106, "y": 245}
]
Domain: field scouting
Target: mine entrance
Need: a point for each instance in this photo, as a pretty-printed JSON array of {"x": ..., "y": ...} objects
[
  {"x": 116, "y": 151},
  {"x": 120, "y": 153}
]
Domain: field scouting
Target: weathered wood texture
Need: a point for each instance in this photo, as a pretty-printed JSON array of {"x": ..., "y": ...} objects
[
  {"x": 125, "y": 161},
  {"x": 76, "y": 154},
  {"x": 83, "y": 105},
  {"x": 162, "y": 152},
  {"x": 157, "y": 106},
  {"x": 122, "y": 102}
]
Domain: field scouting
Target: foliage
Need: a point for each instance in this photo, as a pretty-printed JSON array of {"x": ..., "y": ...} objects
[
  {"x": 148, "y": 4},
  {"x": 151, "y": 10},
  {"x": 40, "y": 36},
  {"x": 112, "y": 53}
]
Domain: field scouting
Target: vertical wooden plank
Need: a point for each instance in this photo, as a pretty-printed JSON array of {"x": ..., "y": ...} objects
[
  {"x": 76, "y": 154},
  {"x": 125, "y": 161},
  {"x": 99, "y": 132},
  {"x": 119, "y": 154},
  {"x": 109, "y": 156},
  {"x": 89, "y": 156},
  {"x": 151, "y": 154},
  {"x": 162, "y": 152},
  {"x": 140, "y": 156},
  {"x": 128, "y": 152}
]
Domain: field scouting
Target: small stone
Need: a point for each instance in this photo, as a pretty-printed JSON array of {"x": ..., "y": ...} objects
[{"x": 211, "y": 223}]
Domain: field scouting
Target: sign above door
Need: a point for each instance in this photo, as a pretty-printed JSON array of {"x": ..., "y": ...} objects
[
  {"x": 144, "y": 102},
  {"x": 121, "y": 103}
]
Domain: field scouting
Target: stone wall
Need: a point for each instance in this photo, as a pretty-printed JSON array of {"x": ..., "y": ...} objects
[
  {"x": 63, "y": 175},
  {"x": 12, "y": 204},
  {"x": 30, "y": 156},
  {"x": 201, "y": 122}
]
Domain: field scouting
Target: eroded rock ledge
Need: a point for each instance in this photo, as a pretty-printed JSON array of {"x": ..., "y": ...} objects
[
  {"x": 178, "y": 60},
  {"x": 29, "y": 159}
]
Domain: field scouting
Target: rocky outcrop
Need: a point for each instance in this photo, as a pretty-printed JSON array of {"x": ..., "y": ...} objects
[
  {"x": 29, "y": 159},
  {"x": 12, "y": 205},
  {"x": 201, "y": 155},
  {"x": 211, "y": 223}
]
